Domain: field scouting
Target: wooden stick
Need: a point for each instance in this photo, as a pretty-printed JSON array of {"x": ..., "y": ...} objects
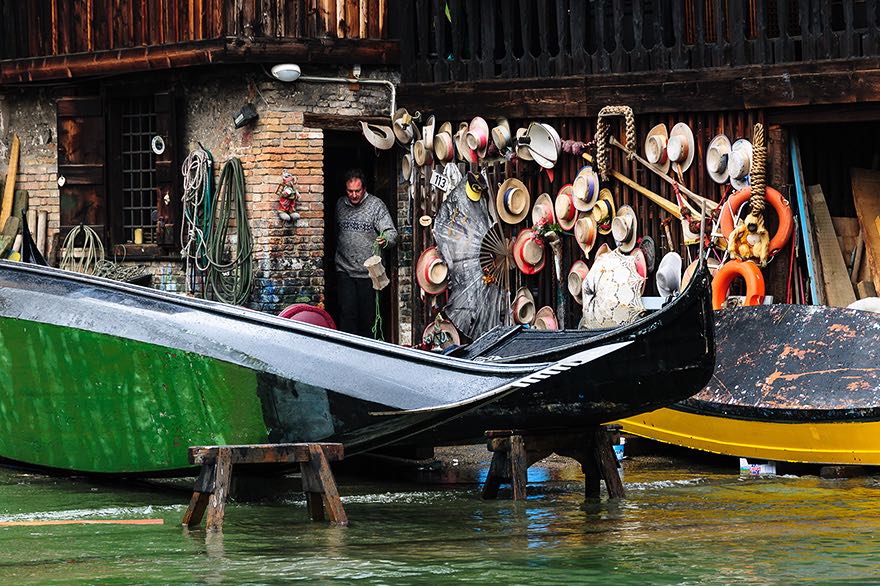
[
  {"x": 711, "y": 205},
  {"x": 42, "y": 225},
  {"x": 857, "y": 262},
  {"x": 83, "y": 522},
  {"x": 661, "y": 201},
  {"x": 9, "y": 191}
]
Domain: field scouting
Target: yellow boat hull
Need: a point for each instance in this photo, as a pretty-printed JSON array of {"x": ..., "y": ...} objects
[{"x": 854, "y": 442}]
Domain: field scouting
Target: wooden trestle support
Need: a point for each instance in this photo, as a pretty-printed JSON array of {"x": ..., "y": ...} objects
[
  {"x": 514, "y": 451},
  {"x": 212, "y": 485}
]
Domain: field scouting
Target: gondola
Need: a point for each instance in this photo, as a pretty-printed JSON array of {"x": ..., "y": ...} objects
[{"x": 105, "y": 377}]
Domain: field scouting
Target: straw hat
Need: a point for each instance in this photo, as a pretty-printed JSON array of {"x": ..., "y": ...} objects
[
  {"x": 522, "y": 148},
  {"x": 543, "y": 210},
  {"x": 440, "y": 335},
  {"x": 566, "y": 213},
  {"x": 585, "y": 189},
  {"x": 381, "y": 137},
  {"x": 603, "y": 249},
  {"x": 465, "y": 153},
  {"x": 445, "y": 127},
  {"x": 443, "y": 147},
  {"x": 545, "y": 319},
  {"x": 431, "y": 271},
  {"x": 603, "y": 211},
  {"x": 477, "y": 136},
  {"x": 501, "y": 134},
  {"x": 668, "y": 276},
  {"x": 739, "y": 163},
  {"x": 528, "y": 252},
  {"x": 585, "y": 233},
  {"x": 512, "y": 201},
  {"x": 523, "y": 306},
  {"x": 717, "y": 157},
  {"x": 403, "y": 127},
  {"x": 655, "y": 147},
  {"x": 428, "y": 133},
  {"x": 713, "y": 264},
  {"x": 576, "y": 275},
  {"x": 421, "y": 154},
  {"x": 406, "y": 166},
  {"x": 681, "y": 148},
  {"x": 623, "y": 228}
]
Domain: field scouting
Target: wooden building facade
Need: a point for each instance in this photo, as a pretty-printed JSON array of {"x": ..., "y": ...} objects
[{"x": 807, "y": 68}]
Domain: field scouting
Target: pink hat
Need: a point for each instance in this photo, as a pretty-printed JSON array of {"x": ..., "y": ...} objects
[
  {"x": 528, "y": 252},
  {"x": 566, "y": 212},
  {"x": 545, "y": 319},
  {"x": 576, "y": 275}
]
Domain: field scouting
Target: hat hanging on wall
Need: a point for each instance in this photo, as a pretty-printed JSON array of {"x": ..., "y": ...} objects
[
  {"x": 402, "y": 123},
  {"x": 566, "y": 213},
  {"x": 512, "y": 201},
  {"x": 603, "y": 211},
  {"x": 717, "y": 159},
  {"x": 585, "y": 233},
  {"x": 585, "y": 189},
  {"x": 655, "y": 147},
  {"x": 545, "y": 319},
  {"x": 543, "y": 211},
  {"x": 576, "y": 275},
  {"x": 501, "y": 135},
  {"x": 623, "y": 228},
  {"x": 681, "y": 148},
  {"x": 529, "y": 252},
  {"x": 432, "y": 271},
  {"x": 380, "y": 137},
  {"x": 477, "y": 136},
  {"x": 523, "y": 306},
  {"x": 739, "y": 163}
]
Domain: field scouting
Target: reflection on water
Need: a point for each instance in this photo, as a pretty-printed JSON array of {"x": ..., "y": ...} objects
[{"x": 675, "y": 526}]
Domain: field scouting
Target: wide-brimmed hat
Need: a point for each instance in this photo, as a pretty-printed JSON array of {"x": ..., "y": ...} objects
[
  {"x": 445, "y": 127},
  {"x": 713, "y": 265},
  {"x": 523, "y": 306},
  {"x": 655, "y": 147},
  {"x": 543, "y": 211},
  {"x": 421, "y": 155},
  {"x": 681, "y": 147},
  {"x": 566, "y": 213},
  {"x": 603, "y": 211},
  {"x": 603, "y": 249},
  {"x": 576, "y": 275},
  {"x": 444, "y": 149},
  {"x": 668, "y": 277},
  {"x": 646, "y": 243},
  {"x": 381, "y": 137},
  {"x": 585, "y": 233},
  {"x": 465, "y": 153},
  {"x": 445, "y": 331},
  {"x": 474, "y": 186},
  {"x": 402, "y": 123},
  {"x": 717, "y": 157},
  {"x": 522, "y": 147},
  {"x": 512, "y": 201},
  {"x": 477, "y": 136},
  {"x": 739, "y": 163},
  {"x": 529, "y": 252},
  {"x": 543, "y": 144},
  {"x": 545, "y": 319},
  {"x": 431, "y": 271},
  {"x": 406, "y": 167},
  {"x": 501, "y": 135},
  {"x": 428, "y": 133},
  {"x": 624, "y": 227},
  {"x": 585, "y": 189},
  {"x": 641, "y": 264}
]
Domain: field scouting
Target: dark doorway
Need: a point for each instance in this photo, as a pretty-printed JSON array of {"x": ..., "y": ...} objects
[{"x": 344, "y": 151}]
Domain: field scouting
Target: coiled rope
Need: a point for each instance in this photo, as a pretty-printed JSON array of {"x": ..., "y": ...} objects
[
  {"x": 83, "y": 259},
  {"x": 230, "y": 274},
  {"x": 197, "y": 172},
  {"x": 602, "y": 136},
  {"x": 757, "y": 178}
]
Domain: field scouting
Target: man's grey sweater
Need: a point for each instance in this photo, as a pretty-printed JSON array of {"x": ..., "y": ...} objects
[{"x": 357, "y": 227}]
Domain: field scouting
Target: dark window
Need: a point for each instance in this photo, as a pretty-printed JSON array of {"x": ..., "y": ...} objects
[{"x": 139, "y": 183}]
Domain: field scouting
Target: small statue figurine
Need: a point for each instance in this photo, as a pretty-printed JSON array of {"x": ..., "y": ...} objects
[
  {"x": 287, "y": 197},
  {"x": 751, "y": 241}
]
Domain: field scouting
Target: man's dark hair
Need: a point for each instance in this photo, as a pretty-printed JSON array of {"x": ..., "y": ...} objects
[{"x": 354, "y": 174}]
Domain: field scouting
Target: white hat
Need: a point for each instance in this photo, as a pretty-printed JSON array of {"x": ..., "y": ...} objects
[
  {"x": 655, "y": 147},
  {"x": 740, "y": 163},
  {"x": 669, "y": 274},
  {"x": 717, "y": 157},
  {"x": 623, "y": 228},
  {"x": 681, "y": 147},
  {"x": 381, "y": 137}
]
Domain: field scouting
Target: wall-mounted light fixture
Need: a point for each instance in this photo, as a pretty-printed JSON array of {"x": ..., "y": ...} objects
[{"x": 291, "y": 72}]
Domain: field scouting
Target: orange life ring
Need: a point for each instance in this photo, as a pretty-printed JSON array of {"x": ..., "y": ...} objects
[
  {"x": 779, "y": 203},
  {"x": 731, "y": 270}
]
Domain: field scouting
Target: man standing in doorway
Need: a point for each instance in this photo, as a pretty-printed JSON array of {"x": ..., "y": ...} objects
[{"x": 362, "y": 222}]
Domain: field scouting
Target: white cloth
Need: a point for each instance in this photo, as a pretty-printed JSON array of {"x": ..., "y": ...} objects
[
  {"x": 669, "y": 275},
  {"x": 612, "y": 292}
]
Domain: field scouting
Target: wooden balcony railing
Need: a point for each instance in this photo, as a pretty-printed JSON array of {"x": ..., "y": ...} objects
[
  {"x": 496, "y": 39},
  {"x": 44, "y": 28}
]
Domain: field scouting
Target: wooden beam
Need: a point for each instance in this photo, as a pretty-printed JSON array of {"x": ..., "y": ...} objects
[
  {"x": 263, "y": 453},
  {"x": 866, "y": 196},
  {"x": 835, "y": 278},
  {"x": 739, "y": 88},
  {"x": 218, "y": 51},
  {"x": 343, "y": 123}
]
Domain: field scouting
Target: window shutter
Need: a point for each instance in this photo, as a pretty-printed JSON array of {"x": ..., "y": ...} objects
[
  {"x": 81, "y": 155},
  {"x": 167, "y": 170}
]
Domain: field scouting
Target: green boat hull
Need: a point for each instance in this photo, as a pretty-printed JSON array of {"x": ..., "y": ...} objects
[{"x": 79, "y": 400}]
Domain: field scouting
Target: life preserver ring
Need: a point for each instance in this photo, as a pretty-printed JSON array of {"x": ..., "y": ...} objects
[
  {"x": 749, "y": 271},
  {"x": 309, "y": 314},
  {"x": 779, "y": 203}
]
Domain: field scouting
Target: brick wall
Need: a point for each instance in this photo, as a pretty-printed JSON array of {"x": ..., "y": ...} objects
[{"x": 288, "y": 260}]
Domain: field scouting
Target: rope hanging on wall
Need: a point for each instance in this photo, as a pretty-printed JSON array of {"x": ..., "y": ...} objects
[
  {"x": 230, "y": 270},
  {"x": 197, "y": 173},
  {"x": 602, "y": 136}
]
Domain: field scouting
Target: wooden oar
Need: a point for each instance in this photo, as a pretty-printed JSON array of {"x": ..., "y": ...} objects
[
  {"x": 661, "y": 201},
  {"x": 711, "y": 205},
  {"x": 83, "y": 522},
  {"x": 9, "y": 191}
]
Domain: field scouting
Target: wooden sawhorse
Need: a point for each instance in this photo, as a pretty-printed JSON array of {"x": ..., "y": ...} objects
[
  {"x": 514, "y": 451},
  {"x": 212, "y": 485}
]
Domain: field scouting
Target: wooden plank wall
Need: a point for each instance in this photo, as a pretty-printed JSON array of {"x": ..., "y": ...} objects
[
  {"x": 545, "y": 38},
  {"x": 58, "y": 27},
  {"x": 650, "y": 216}
]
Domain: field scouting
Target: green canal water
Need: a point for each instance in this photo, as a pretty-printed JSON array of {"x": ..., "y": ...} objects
[{"x": 676, "y": 526}]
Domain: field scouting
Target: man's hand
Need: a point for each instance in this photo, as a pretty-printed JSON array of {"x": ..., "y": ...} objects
[{"x": 381, "y": 241}]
